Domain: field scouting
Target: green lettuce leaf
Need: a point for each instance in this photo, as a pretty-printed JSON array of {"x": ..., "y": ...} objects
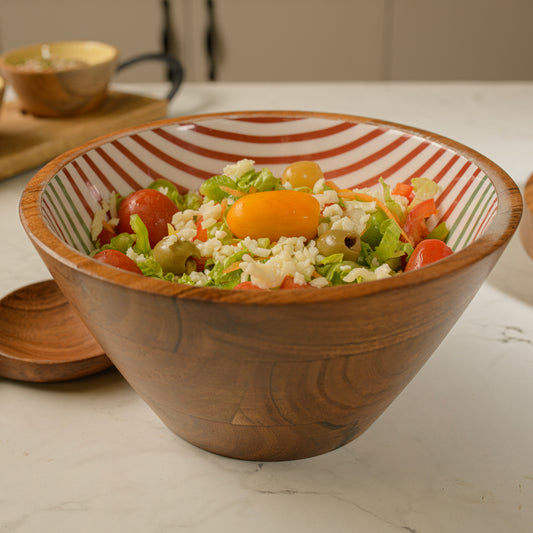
[
  {"x": 210, "y": 188},
  {"x": 142, "y": 241},
  {"x": 167, "y": 188},
  {"x": 393, "y": 206},
  {"x": 424, "y": 189},
  {"x": 391, "y": 246},
  {"x": 262, "y": 180}
]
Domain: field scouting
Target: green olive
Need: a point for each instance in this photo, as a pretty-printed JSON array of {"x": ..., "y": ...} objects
[
  {"x": 175, "y": 255},
  {"x": 339, "y": 241}
]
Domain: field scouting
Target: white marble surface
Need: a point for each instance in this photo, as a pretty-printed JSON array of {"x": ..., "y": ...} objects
[{"x": 454, "y": 453}]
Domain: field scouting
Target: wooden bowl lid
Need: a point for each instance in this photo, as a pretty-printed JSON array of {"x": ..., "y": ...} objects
[{"x": 526, "y": 227}]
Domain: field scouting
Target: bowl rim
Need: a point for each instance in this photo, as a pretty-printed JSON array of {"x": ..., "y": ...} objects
[
  {"x": 496, "y": 235},
  {"x": 9, "y": 67}
]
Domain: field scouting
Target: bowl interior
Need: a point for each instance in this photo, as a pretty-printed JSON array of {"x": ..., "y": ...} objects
[
  {"x": 90, "y": 52},
  {"x": 351, "y": 152}
]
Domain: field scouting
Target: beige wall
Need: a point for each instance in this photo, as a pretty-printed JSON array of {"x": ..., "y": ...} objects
[{"x": 297, "y": 39}]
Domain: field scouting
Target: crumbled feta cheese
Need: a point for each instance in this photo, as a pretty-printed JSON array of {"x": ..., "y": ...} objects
[
  {"x": 210, "y": 210},
  {"x": 132, "y": 254},
  {"x": 290, "y": 257},
  {"x": 253, "y": 246},
  {"x": 347, "y": 224},
  {"x": 333, "y": 210},
  {"x": 319, "y": 283},
  {"x": 198, "y": 278},
  {"x": 318, "y": 187},
  {"x": 208, "y": 222},
  {"x": 236, "y": 170},
  {"x": 327, "y": 197}
]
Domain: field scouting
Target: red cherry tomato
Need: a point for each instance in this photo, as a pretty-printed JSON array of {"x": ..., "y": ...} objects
[
  {"x": 289, "y": 283},
  {"x": 403, "y": 189},
  {"x": 247, "y": 285},
  {"x": 201, "y": 233},
  {"x": 118, "y": 260},
  {"x": 415, "y": 224},
  {"x": 105, "y": 236},
  {"x": 427, "y": 252},
  {"x": 153, "y": 207}
]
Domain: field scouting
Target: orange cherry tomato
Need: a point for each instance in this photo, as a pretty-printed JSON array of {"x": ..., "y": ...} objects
[
  {"x": 274, "y": 214},
  {"x": 427, "y": 252},
  {"x": 302, "y": 174}
]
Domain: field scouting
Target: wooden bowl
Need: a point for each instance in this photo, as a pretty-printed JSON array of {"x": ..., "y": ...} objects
[
  {"x": 62, "y": 88},
  {"x": 270, "y": 375}
]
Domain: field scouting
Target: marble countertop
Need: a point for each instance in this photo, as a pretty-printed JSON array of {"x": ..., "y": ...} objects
[{"x": 454, "y": 453}]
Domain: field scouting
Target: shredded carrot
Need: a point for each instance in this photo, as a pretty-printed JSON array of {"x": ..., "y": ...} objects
[
  {"x": 108, "y": 226},
  {"x": 224, "y": 204},
  {"x": 232, "y": 267},
  {"x": 233, "y": 192},
  {"x": 349, "y": 194},
  {"x": 334, "y": 186},
  {"x": 252, "y": 189}
]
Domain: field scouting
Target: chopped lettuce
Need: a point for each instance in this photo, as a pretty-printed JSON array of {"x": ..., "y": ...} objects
[
  {"x": 439, "y": 232},
  {"x": 261, "y": 180},
  {"x": 189, "y": 200},
  {"x": 258, "y": 180},
  {"x": 211, "y": 188},
  {"x": 142, "y": 241},
  {"x": 167, "y": 188},
  {"x": 334, "y": 268},
  {"x": 424, "y": 189},
  {"x": 394, "y": 207},
  {"x": 389, "y": 247}
]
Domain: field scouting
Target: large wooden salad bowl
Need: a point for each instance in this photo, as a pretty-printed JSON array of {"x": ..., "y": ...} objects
[{"x": 270, "y": 375}]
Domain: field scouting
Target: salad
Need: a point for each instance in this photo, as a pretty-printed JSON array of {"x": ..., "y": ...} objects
[{"x": 248, "y": 229}]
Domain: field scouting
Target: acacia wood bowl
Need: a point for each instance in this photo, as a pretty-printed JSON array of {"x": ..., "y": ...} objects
[
  {"x": 270, "y": 375},
  {"x": 61, "y": 92}
]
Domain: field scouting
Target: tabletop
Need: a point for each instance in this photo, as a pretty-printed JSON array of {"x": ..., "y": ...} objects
[{"x": 453, "y": 453}]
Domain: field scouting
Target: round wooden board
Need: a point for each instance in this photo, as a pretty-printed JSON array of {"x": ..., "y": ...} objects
[
  {"x": 526, "y": 226},
  {"x": 42, "y": 338}
]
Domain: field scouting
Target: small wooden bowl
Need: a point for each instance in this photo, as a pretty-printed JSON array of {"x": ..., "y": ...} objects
[
  {"x": 65, "y": 90},
  {"x": 2, "y": 90},
  {"x": 270, "y": 375}
]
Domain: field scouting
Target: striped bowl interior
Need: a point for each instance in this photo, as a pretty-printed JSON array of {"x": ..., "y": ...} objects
[{"x": 353, "y": 153}]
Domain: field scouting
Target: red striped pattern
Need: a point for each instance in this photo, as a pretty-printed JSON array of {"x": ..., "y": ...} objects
[{"x": 353, "y": 153}]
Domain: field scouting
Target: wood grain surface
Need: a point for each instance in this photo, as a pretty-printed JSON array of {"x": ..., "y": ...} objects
[
  {"x": 526, "y": 226},
  {"x": 42, "y": 338},
  {"x": 27, "y": 141}
]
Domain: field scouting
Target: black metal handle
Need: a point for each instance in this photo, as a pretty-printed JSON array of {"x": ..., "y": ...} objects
[{"x": 175, "y": 69}]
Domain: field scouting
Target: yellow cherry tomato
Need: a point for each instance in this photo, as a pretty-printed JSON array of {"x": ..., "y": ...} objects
[
  {"x": 302, "y": 174},
  {"x": 274, "y": 214}
]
